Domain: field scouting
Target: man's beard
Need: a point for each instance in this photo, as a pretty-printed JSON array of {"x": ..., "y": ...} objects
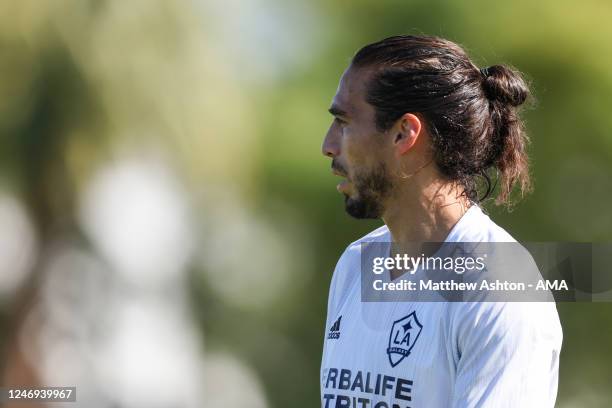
[{"x": 371, "y": 189}]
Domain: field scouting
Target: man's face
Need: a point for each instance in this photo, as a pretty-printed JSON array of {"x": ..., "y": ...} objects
[{"x": 361, "y": 154}]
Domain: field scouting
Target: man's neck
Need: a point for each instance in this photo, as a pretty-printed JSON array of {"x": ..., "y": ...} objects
[{"x": 425, "y": 215}]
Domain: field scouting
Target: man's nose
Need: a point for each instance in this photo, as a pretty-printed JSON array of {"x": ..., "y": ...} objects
[{"x": 331, "y": 145}]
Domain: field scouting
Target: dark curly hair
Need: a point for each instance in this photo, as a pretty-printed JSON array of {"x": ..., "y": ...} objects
[{"x": 471, "y": 114}]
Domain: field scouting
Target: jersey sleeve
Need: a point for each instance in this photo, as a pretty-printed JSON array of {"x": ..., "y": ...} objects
[
  {"x": 346, "y": 274},
  {"x": 506, "y": 354},
  {"x": 338, "y": 290}
]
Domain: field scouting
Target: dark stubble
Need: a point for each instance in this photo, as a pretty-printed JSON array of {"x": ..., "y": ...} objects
[{"x": 372, "y": 187}]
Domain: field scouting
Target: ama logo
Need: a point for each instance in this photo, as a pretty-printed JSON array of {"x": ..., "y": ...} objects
[{"x": 404, "y": 333}]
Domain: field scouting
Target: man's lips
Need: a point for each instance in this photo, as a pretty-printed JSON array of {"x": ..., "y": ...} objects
[
  {"x": 342, "y": 187},
  {"x": 337, "y": 173}
]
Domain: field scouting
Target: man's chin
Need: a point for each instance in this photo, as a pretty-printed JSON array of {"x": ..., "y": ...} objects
[{"x": 361, "y": 209}]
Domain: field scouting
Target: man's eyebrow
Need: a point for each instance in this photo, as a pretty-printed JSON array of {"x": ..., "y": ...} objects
[{"x": 336, "y": 111}]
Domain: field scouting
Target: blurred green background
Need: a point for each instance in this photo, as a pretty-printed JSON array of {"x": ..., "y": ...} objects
[{"x": 168, "y": 225}]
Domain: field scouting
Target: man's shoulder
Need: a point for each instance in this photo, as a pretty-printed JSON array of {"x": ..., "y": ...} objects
[
  {"x": 346, "y": 273},
  {"x": 351, "y": 257},
  {"x": 477, "y": 226}
]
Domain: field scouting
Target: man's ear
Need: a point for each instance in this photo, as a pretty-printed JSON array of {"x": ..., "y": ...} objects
[{"x": 407, "y": 132}]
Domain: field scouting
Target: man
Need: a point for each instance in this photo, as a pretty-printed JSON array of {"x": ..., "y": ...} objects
[{"x": 418, "y": 132}]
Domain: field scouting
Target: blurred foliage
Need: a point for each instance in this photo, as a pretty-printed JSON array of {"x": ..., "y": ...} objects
[{"x": 235, "y": 95}]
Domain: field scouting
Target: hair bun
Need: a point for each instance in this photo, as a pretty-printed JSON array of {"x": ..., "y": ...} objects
[{"x": 504, "y": 85}]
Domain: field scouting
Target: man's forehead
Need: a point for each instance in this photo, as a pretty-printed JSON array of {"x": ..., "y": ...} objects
[{"x": 351, "y": 89}]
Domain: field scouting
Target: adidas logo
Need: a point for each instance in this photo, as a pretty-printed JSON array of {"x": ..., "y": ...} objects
[{"x": 334, "y": 331}]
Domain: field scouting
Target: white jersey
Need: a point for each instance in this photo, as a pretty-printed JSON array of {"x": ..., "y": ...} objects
[{"x": 456, "y": 354}]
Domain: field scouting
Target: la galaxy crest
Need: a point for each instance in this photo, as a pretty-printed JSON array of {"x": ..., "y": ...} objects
[{"x": 404, "y": 333}]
